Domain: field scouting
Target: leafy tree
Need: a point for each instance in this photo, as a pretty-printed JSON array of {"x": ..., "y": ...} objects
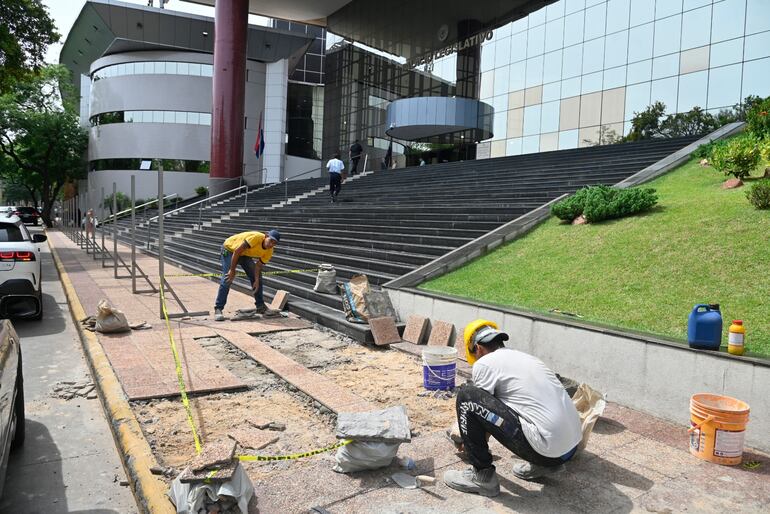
[
  {"x": 646, "y": 124},
  {"x": 26, "y": 30},
  {"x": 18, "y": 185},
  {"x": 40, "y": 133},
  {"x": 738, "y": 156},
  {"x": 693, "y": 123}
]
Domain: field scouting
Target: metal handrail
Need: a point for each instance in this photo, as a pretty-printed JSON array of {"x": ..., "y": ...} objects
[
  {"x": 154, "y": 200},
  {"x": 207, "y": 199},
  {"x": 286, "y": 180}
]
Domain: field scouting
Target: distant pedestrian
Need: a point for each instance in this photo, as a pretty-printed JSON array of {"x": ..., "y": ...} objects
[
  {"x": 335, "y": 166},
  {"x": 422, "y": 162},
  {"x": 242, "y": 249},
  {"x": 355, "y": 155},
  {"x": 90, "y": 223}
]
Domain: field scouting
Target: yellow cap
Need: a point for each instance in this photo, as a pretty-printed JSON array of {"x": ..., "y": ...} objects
[{"x": 471, "y": 329}]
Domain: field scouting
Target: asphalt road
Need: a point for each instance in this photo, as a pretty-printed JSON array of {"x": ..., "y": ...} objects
[{"x": 68, "y": 462}]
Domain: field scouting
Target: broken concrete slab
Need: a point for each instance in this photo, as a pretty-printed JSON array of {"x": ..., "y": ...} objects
[
  {"x": 214, "y": 455},
  {"x": 220, "y": 474},
  {"x": 279, "y": 300},
  {"x": 384, "y": 331},
  {"x": 417, "y": 329},
  {"x": 379, "y": 305},
  {"x": 388, "y": 425},
  {"x": 442, "y": 333}
]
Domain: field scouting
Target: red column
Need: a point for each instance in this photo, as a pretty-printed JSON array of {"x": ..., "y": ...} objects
[{"x": 229, "y": 87}]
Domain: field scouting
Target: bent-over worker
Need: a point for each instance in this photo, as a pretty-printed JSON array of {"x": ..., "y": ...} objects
[{"x": 517, "y": 400}]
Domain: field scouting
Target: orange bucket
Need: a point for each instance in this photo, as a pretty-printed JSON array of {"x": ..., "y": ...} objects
[{"x": 717, "y": 428}]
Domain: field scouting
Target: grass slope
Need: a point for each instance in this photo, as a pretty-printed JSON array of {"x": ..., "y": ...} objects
[{"x": 700, "y": 244}]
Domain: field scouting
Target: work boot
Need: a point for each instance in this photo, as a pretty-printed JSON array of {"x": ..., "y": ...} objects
[
  {"x": 528, "y": 471},
  {"x": 483, "y": 482},
  {"x": 267, "y": 312},
  {"x": 218, "y": 316}
]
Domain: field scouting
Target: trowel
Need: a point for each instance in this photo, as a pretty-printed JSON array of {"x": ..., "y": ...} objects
[{"x": 409, "y": 482}]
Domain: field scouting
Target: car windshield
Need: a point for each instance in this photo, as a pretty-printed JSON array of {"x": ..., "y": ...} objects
[
  {"x": 10, "y": 233},
  {"x": 27, "y": 210}
]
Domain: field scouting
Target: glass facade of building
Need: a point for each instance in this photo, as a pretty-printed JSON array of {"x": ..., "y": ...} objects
[
  {"x": 573, "y": 72},
  {"x": 154, "y": 68}
]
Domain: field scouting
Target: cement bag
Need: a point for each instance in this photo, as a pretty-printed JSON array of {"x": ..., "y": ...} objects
[
  {"x": 353, "y": 301},
  {"x": 109, "y": 319},
  {"x": 361, "y": 455},
  {"x": 590, "y": 405},
  {"x": 191, "y": 498},
  {"x": 326, "y": 280}
]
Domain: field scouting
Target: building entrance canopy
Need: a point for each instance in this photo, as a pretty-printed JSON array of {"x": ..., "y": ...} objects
[{"x": 415, "y": 119}]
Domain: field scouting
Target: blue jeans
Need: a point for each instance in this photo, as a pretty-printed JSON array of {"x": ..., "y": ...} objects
[{"x": 249, "y": 267}]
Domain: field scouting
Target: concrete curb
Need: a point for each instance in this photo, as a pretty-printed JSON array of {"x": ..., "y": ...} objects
[{"x": 135, "y": 452}]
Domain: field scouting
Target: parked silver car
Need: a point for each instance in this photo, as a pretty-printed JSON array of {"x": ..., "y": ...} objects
[{"x": 11, "y": 396}]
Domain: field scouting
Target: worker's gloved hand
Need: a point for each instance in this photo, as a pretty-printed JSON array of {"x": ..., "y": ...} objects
[{"x": 230, "y": 276}]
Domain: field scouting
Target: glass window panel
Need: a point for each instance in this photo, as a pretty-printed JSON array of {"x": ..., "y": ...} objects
[
  {"x": 551, "y": 91},
  {"x": 554, "y": 11},
  {"x": 518, "y": 47},
  {"x": 195, "y": 69},
  {"x": 593, "y": 55},
  {"x": 534, "y": 72},
  {"x": 591, "y": 83},
  {"x": 499, "y": 103},
  {"x": 182, "y": 68},
  {"x": 499, "y": 124},
  {"x": 590, "y": 3},
  {"x": 692, "y": 4},
  {"x": 180, "y": 117},
  {"x": 536, "y": 41},
  {"x": 159, "y": 67},
  {"x": 642, "y": 11},
  {"x": 666, "y": 66},
  {"x": 157, "y": 116},
  {"x": 574, "y": 5},
  {"x": 728, "y": 20},
  {"x": 487, "y": 80},
  {"x": 532, "y": 120},
  {"x": 568, "y": 139},
  {"x": 724, "y": 89},
  {"x": 757, "y": 16},
  {"x": 205, "y": 118},
  {"x": 193, "y": 118},
  {"x": 503, "y": 52},
  {"x": 726, "y": 52},
  {"x": 130, "y": 68},
  {"x": 695, "y": 59},
  {"x": 554, "y": 35},
  {"x": 169, "y": 117},
  {"x": 756, "y": 78},
  {"x": 667, "y": 35},
  {"x": 616, "y": 49},
  {"x": 696, "y": 28},
  {"x": 520, "y": 24},
  {"x": 536, "y": 18},
  {"x": 516, "y": 76},
  {"x": 573, "y": 28},
  {"x": 595, "y": 21},
  {"x": 488, "y": 56},
  {"x": 552, "y": 67},
  {"x": 549, "y": 117},
  {"x": 207, "y": 70},
  {"x": 530, "y": 144},
  {"x": 665, "y": 90},
  {"x": 637, "y": 99},
  {"x": 570, "y": 87},
  {"x": 640, "y": 43},
  {"x": 171, "y": 68},
  {"x": 513, "y": 146},
  {"x": 692, "y": 91},
  {"x": 502, "y": 32},
  {"x": 757, "y": 46},
  {"x": 617, "y": 15},
  {"x": 665, "y": 8},
  {"x": 615, "y": 77},
  {"x": 501, "y": 80},
  {"x": 572, "y": 62}
]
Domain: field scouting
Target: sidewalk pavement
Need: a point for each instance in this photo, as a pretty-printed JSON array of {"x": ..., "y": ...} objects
[{"x": 634, "y": 462}]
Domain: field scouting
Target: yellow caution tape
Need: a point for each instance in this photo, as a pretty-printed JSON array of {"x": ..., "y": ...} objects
[
  {"x": 242, "y": 274},
  {"x": 179, "y": 376},
  {"x": 295, "y": 455}
]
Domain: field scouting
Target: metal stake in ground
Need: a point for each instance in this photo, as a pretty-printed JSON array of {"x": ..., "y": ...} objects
[
  {"x": 134, "y": 265},
  {"x": 114, "y": 230},
  {"x": 161, "y": 258}
]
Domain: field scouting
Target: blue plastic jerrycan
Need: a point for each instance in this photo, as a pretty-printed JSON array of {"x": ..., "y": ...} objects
[{"x": 704, "y": 327}]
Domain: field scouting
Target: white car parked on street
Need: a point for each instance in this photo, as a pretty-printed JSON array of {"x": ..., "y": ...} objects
[{"x": 21, "y": 289}]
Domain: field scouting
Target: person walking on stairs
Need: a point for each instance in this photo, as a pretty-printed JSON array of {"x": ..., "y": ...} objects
[
  {"x": 242, "y": 249},
  {"x": 355, "y": 155},
  {"x": 517, "y": 400},
  {"x": 335, "y": 166}
]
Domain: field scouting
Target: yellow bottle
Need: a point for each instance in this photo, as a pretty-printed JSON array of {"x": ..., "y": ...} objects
[{"x": 736, "y": 337}]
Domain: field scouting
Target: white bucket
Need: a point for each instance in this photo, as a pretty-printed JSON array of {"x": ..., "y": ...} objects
[{"x": 439, "y": 366}]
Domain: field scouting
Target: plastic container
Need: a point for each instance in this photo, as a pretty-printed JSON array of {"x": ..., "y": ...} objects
[
  {"x": 717, "y": 428},
  {"x": 704, "y": 327},
  {"x": 736, "y": 338},
  {"x": 439, "y": 366}
]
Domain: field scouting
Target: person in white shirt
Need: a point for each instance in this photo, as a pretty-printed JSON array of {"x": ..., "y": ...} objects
[
  {"x": 335, "y": 166},
  {"x": 517, "y": 400}
]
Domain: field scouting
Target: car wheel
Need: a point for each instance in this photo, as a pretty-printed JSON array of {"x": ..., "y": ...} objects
[
  {"x": 39, "y": 314},
  {"x": 18, "y": 411}
]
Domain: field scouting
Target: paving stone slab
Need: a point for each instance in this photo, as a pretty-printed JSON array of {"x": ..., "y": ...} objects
[
  {"x": 378, "y": 304},
  {"x": 384, "y": 331},
  {"x": 387, "y": 425},
  {"x": 279, "y": 300},
  {"x": 221, "y": 474},
  {"x": 442, "y": 333},
  {"x": 416, "y": 330},
  {"x": 214, "y": 455}
]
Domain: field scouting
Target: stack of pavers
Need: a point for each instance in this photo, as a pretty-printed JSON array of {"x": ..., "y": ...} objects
[{"x": 394, "y": 221}]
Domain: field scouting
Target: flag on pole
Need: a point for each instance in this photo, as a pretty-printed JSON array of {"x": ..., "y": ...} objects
[{"x": 259, "y": 144}]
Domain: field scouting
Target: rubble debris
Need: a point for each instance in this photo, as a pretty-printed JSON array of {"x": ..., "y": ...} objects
[
  {"x": 220, "y": 474},
  {"x": 267, "y": 425},
  {"x": 252, "y": 438},
  {"x": 142, "y": 325},
  {"x": 167, "y": 472},
  {"x": 214, "y": 454},
  {"x": 68, "y": 390}
]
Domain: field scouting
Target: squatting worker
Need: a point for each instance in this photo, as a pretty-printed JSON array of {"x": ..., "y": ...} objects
[
  {"x": 242, "y": 249},
  {"x": 517, "y": 400},
  {"x": 335, "y": 166}
]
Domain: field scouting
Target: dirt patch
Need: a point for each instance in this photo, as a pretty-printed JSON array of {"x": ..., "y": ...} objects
[
  {"x": 312, "y": 348},
  {"x": 239, "y": 364},
  {"x": 388, "y": 377}
]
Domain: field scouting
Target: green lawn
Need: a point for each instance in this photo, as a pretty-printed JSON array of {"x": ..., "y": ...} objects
[{"x": 700, "y": 244}]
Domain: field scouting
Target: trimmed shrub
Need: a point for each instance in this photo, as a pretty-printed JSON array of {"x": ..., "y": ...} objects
[
  {"x": 201, "y": 190},
  {"x": 759, "y": 194},
  {"x": 758, "y": 118},
  {"x": 737, "y": 157},
  {"x": 704, "y": 150},
  {"x": 599, "y": 203}
]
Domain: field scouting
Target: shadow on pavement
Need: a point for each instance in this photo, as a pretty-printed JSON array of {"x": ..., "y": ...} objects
[{"x": 52, "y": 323}]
